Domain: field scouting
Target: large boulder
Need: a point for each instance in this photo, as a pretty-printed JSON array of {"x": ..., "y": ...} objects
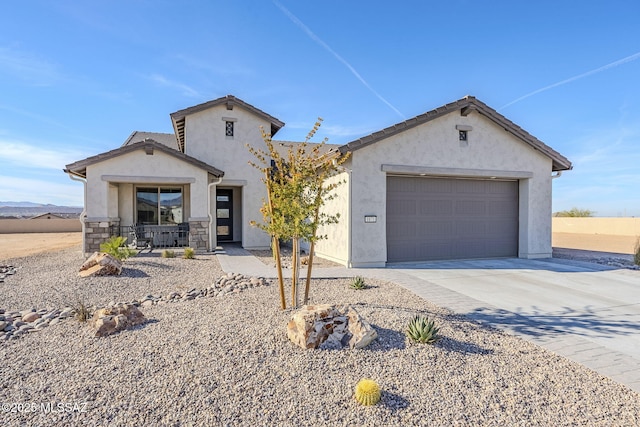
[
  {"x": 109, "y": 320},
  {"x": 328, "y": 327},
  {"x": 101, "y": 264}
]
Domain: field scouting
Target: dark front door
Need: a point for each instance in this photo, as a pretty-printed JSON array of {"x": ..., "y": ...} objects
[{"x": 224, "y": 215}]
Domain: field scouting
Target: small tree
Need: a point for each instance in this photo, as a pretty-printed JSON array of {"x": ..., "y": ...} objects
[
  {"x": 296, "y": 191},
  {"x": 575, "y": 212}
]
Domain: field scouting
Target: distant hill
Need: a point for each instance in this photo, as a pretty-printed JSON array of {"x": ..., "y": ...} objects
[{"x": 29, "y": 209}]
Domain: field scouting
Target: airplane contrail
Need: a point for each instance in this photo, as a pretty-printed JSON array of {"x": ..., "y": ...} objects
[
  {"x": 571, "y": 79},
  {"x": 317, "y": 39}
]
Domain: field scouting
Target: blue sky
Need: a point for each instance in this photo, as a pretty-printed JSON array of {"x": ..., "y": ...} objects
[{"x": 76, "y": 78}]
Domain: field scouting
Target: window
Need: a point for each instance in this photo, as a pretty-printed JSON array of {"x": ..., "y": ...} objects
[
  {"x": 463, "y": 135},
  {"x": 159, "y": 206},
  {"x": 228, "y": 128}
]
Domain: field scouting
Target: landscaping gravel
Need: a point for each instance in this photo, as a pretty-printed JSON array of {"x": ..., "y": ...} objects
[{"x": 227, "y": 361}]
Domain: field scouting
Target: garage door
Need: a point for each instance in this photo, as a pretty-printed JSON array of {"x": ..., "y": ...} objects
[{"x": 443, "y": 218}]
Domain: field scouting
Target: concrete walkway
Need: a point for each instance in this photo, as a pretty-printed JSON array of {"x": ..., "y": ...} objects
[{"x": 586, "y": 312}]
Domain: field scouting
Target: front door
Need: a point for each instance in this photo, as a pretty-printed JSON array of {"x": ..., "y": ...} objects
[{"x": 224, "y": 215}]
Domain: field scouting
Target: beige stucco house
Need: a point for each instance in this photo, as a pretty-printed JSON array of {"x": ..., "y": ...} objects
[{"x": 460, "y": 181}]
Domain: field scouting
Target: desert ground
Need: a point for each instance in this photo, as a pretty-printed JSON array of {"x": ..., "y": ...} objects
[{"x": 24, "y": 244}]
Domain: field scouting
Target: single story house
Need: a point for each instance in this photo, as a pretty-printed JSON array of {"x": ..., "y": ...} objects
[{"x": 460, "y": 181}]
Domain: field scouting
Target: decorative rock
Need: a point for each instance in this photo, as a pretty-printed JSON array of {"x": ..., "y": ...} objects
[
  {"x": 110, "y": 320},
  {"x": 3, "y": 325},
  {"x": 315, "y": 325},
  {"x": 101, "y": 264},
  {"x": 30, "y": 317}
]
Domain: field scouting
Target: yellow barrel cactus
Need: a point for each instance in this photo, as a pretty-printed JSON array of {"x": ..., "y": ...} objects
[{"x": 367, "y": 392}]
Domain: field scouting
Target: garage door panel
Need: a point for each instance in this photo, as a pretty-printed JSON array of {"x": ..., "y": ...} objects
[{"x": 433, "y": 218}]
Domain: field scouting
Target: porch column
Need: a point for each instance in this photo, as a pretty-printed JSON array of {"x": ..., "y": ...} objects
[
  {"x": 199, "y": 234},
  {"x": 96, "y": 232}
]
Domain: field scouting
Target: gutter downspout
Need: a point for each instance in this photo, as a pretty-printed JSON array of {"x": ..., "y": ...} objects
[
  {"x": 211, "y": 248},
  {"x": 83, "y": 214},
  {"x": 557, "y": 175}
]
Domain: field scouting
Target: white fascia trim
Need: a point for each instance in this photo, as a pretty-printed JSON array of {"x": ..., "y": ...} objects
[
  {"x": 129, "y": 179},
  {"x": 455, "y": 172},
  {"x": 233, "y": 183}
]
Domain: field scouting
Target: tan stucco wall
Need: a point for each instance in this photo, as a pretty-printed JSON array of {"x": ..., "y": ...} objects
[
  {"x": 336, "y": 246},
  {"x": 206, "y": 140},
  {"x": 489, "y": 151},
  {"x": 116, "y": 200},
  {"x": 610, "y": 226},
  {"x": 40, "y": 225}
]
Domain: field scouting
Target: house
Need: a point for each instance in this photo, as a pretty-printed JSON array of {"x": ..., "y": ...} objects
[{"x": 460, "y": 181}]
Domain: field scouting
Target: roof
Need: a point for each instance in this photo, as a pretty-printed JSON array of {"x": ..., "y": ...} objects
[
  {"x": 168, "y": 139},
  {"x": 178, "y": 118},
  {"x": 465, "y": 105},
  {"x": 79, "y": 168}
]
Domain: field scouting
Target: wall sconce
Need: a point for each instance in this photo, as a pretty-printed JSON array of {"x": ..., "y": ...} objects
[{"x": 369, "y": 219}]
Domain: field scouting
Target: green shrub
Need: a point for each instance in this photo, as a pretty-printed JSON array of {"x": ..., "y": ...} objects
[
  {"x": 167, "y": 253},
  {"x": 423, "y": 330},
  {"x": 116, "y": 247},
  {"x": 636, "y": 254},
  {"x": 80, "y": 310},
  {"x": 358, "y": 283},
  {"x": 189, "y": 253}
]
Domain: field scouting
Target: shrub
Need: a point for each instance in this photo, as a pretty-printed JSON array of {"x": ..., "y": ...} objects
[
  {"x": 358, "y": 283},
  {"x": 115, "y": 247},
  {"x": 80, "y": 310},
  {"x": 636, "y": 253},
  {"x": 367, "y": 392},
  {"x": 423, "y": 330},
  {"x": 189, "y": 253},
  {"x": 167, "y": 253}
]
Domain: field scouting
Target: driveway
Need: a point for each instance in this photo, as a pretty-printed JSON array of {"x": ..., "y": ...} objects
[{"x": 586, "y": 312}]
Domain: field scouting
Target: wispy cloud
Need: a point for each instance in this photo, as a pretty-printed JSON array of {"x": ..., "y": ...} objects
[
  {"x": 27, "y": 67},
  {"x": 574, "y": 78},
  {"x": 27, "y": 155},
  {"x": 353, "y": 71},
  {"x": 185, "y": 89},
  {"x": 41, "y": 191}
]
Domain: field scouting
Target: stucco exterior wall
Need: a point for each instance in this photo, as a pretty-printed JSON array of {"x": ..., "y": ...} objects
[
  {"x": 206, "y": 140},
  {"x": 336, "y": 246},
  {"x": 104, "y": 198},
  {"x": 434, "y": 149},
  {"x": 609, "y": 226}
]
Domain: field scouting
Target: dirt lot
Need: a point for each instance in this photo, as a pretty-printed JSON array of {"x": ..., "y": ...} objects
[
  {"x": 595, "y": 242},
  {"x": 22, "y": 244}
]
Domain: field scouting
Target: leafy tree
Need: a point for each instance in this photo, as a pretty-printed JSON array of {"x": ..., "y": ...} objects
[
  {"x": 575, "y": 212},
  {"x": 296, "y": 191}
]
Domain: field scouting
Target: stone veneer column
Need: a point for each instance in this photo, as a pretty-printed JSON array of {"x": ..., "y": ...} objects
[
  {"x": 95, "y": 233},
  {"x": 199, "y": 235}
]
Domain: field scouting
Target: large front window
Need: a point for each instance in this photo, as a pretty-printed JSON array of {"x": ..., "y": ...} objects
[{"x": 159, "y": 206}]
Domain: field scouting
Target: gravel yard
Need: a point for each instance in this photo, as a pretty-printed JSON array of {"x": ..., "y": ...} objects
[{"x": 227, "y": 361}]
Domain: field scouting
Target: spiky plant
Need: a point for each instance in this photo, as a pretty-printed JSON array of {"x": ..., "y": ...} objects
[
  {"x": 358, "y": 283},
  {"x": 367, "y": 392},
  {"x": 423, "y": 330},
  {"x": 189, "y": 253},
  {"x": 115, "y": 247},
  {"x": 167, "y": 253}
]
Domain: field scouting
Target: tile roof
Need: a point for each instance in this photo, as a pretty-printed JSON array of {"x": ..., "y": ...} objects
[
  {"x": 465, "y": 105},
  {"x": 168, "y": 139},
  {"x": 79, "y": 168}
]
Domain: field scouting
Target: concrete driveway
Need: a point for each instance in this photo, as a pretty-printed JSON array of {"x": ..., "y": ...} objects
[{"x": 586, "y": 312}]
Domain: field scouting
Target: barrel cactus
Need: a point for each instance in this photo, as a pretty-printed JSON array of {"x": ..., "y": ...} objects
[
  {"x": 423, "y": 330},
  {"x": 367, "y": 392}
]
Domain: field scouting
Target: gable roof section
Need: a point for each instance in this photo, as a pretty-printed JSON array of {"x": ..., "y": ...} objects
[
  {"x": 168, "y": 139},
  {"x": 465, "y": 105},
  {"x": 178, "y": 118},
  {"x": 79, "y": 168}
]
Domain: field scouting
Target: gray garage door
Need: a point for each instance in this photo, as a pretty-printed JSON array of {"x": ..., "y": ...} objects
[{"x": 443, "y": 218}]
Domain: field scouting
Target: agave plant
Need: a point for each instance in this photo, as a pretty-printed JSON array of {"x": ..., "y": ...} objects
[
  {"x": 358, "y": 283},
  {"x": 423, "y": 330}
]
